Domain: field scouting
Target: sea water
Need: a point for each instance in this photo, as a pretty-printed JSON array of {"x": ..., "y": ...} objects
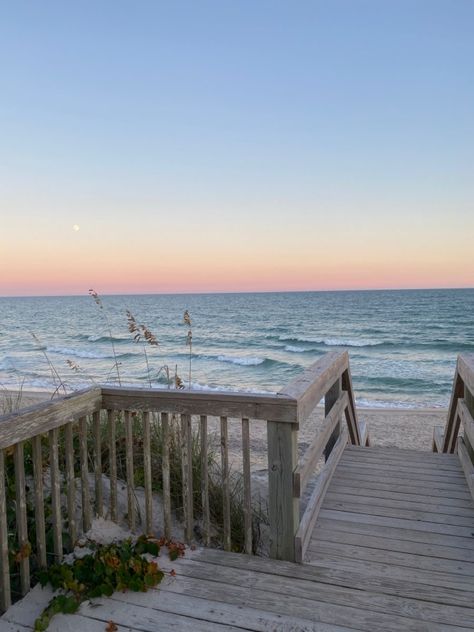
[{"x": 403, "y": 345}]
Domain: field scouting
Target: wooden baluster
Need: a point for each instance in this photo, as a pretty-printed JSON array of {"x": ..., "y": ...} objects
[
  {"x": 187, "y": 474},
  {"x": 330, "y": 399},
  {"x": 247, "y": 486},
  {"x": 99, "y": 497},
  {"x": 129, "y": 469},
  {"x": 70, "y": 482},
  {"x": 283, "y": 506},
  {"x": 39, "y": 500},
  {"x": 147, "y": 473},
  {"x": 205, "y": 482},
  {"x": 225, "y": 483},
  {"x": 111, "y": 419},
  {"x": 5, "y": 594},
  {"x": 21, "y": 518},
  {"x": 86, "y": 501},
  {"x": 55, "y": 495},
  {"x": 166, "y": 474}
]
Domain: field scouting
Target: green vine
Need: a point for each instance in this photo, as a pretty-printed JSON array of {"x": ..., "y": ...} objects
[{"x": 114, "y": 567}]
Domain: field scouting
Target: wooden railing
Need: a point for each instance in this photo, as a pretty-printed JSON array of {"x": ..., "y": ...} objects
[
  {"x": 330, "y": 378},
  {"x": 460, "y": 415},
  {"x": 69, "y": 437}
]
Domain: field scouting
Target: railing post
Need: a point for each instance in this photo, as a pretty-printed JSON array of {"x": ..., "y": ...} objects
[
  {"x": 330, "y": 399},
  {"x": 283, "y": 507}
]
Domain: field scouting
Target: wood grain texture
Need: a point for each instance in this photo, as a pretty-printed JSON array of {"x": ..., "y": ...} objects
[
  {"x": 70, "y": 481},
  {"x": 305, "y": 470},
  {"x": 247, "y": 500},
  {"x": 206, "y": 518},
  {"x": 40, "y": 418},
  {"x": 225, "y": 483},
  {"x": 308, "y": 520},
  {"x": 5, "y": 593},
  {"x": 187, "y": 476},
  {"x": 37, "y": 458},
  {"x": 83, "y": 458},
  {"x": 166, "y": 474},
  {"x": 56, "y": 517},
  {"x": 209, "y": 403},
  {"x": 309, "y": 387},
  {"x": 129, "y": 470},
  {"x": 99, "y": 495},
  {"x": 111, "y": 423},
  {"x": 453, "y": 421},
  {"x": 21, "y": 518},
  {"x": 147, "y": 473},
  {"x": 466, "y": 463},
  {"x": 283, "y": 509}
]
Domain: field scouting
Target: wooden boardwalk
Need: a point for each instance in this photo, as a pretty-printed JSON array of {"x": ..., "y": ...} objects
[{"x": 392, "y": 550}]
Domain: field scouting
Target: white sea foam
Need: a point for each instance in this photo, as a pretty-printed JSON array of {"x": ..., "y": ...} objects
[
  {"x": 242, "y": 361},
  {"x": 333, "y": 342},
  {"x": 78, "y": 353},
  {"x": 293, "y": 349}
]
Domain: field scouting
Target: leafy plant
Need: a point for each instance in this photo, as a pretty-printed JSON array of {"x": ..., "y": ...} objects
[{"x": 120, "y": 566}]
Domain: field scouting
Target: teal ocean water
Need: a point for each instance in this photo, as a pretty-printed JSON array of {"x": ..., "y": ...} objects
[{"x": 403, "y": 344}]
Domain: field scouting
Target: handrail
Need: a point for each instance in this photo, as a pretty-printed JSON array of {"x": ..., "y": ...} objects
[
  {"x": 463, "y": 388},
  {"x": 329, "y": 377}
]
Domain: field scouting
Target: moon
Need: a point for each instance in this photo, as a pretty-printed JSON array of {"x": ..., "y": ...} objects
[{"x": 75, "y": 227}]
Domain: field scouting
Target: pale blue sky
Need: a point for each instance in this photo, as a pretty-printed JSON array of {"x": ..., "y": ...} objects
[{"x": 292, "y": 120}]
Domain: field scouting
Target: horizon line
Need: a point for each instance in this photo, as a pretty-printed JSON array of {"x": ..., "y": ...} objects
[{"x": 230, "y": 292}]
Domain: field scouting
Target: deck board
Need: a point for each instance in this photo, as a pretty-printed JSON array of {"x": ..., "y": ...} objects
[{"x": 392, "y": 549}]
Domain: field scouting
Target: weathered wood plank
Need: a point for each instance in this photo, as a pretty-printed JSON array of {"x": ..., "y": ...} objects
[
  {"x": 415, "y": 525},
  {"x": 111, "y": 423},
  {"x": 37, "y": 458},
  {"x": 55, "y": 495},
  {"x": 452, "y": 424},
  {"x": 354, "y": 495},
  {"x": 83, "y": 458},
  {"x": 225, "y": 483},
  {"x": 466, "y": 463},
  {"x": 451, "y": 556},
  {"x": 70, "y": 481},
  {"x": 438, "y": 439},
  {"x": 356, "y": 505},
  {"x": 166, "y": 474},
  {"x": 404, "y": 454},
  {"x": 189, "y": 402},
  {"x": 419, "y": 472},
  {"x": 466, "y": 420},
  {"x": 331, "y": 604},
  {"x": 5, "y": 593},
  {"x": 351, "y": 411},
  {"x": 187, "y": 476},
  {"x": 40, "y": 418},
  {"x": 247, "y": 500},
  {"x": 358, "y": 551},
  {"x": 129, "y": 470},
  {"x": 465, "y": 367},
  {"x": 99, "y": 496},
  {"x": 21, "y": 518},
  {"x": 338, "y": 521},
  {"x": 283, "y": 507},
  {"x": 321, "y": 575},
  {"x": 404, "y": 485},
  {"x": 212, "y": 611},
  {"x": 147, "y": 473},
  {"x": 309, "y": 387},
  {"x": 308, "y": 520},
  {"x": 206, "y": 518},
  {"x": 305, "y": 470},
  {"x": 396, "y": 474}
]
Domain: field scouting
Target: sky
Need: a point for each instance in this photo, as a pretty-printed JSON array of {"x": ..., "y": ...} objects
[{"x": 244, "y": 145}]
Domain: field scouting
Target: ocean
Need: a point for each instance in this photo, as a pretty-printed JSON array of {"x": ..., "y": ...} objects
[{"x": 402, "y": 344}]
